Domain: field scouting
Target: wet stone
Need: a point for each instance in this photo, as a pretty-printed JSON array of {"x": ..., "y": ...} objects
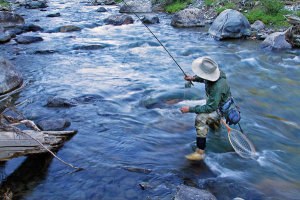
[
  {"x": 30, "y": 27},
  {"x": 45, "y": 52},
  {"x": 28, "y": 39},
  {"x": 88, "y": 47},
  {"x": 36, "y": 5},
  {"x": 60, "y": 102},
  {"x": 192, "y": 193},
  {"x": 119, "y": 19},
  {"x": 101, "y": 9},
  {"x": 54, "y": 15},
  {"x": 150, "y": 19},
  {"x": 8, "y": 19},
  {"x": 54, "y": 125},
  {"x": 4, "y": 37},
  {"x": 69, "y": 28}
]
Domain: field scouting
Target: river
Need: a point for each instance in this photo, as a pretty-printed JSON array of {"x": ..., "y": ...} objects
[{"x": 128, "y": 135}]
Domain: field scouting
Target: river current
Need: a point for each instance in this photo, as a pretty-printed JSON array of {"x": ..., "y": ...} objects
[{"x": 130, "y": 131}]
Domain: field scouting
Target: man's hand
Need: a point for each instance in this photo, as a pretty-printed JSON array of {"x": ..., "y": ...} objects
[
  {"x": 185, "y": 109},
  {"x": 189, "y": 78}
]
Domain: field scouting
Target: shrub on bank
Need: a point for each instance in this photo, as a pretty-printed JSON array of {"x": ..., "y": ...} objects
[{"x": 177, "y": 5}]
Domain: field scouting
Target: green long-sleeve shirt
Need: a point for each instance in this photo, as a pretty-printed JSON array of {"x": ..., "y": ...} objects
[{"x": 217, "y": 93}]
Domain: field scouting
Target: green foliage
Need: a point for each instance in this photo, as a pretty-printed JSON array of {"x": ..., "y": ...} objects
[
  {"x": 228, "y": 5},
  {"x": 210, "y": 2},
  {"x": 177, "y": 5},
  {"x": 4, "y": 3},
  {"x": 298, "y": 13},
  {"x": 272, "y": 7},
  {"x": 278, "y": 20}
]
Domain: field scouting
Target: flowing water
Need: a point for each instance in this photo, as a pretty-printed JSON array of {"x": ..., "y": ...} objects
[{"x": 130, "y": 129}]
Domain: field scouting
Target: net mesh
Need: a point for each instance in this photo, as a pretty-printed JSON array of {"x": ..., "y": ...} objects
[{"x": 241, "y": 144}]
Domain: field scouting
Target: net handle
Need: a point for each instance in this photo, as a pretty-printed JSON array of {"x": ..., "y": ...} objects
[{"x": 227, "y": 127}]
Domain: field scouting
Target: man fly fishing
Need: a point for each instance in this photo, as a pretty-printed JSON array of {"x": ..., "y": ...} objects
[{"x": 217, "y": 93}]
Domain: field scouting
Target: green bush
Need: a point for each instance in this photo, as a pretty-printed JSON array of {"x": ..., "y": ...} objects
[
  {"x": 298, "y": 13},
  {"x": 272, "y": 7},
  {"x": 4, "y": 3},
  {"x": 278, "y": 20},
  {"x": 210, "y": 2},
  {"x": 228, "y": 5},
  {"x": 176, "y": 6}
]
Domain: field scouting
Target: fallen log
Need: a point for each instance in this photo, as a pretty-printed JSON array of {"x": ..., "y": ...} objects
[{"x": 13, "y": 144}]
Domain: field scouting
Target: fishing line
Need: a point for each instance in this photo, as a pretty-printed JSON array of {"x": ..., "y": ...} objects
[{"x": 156, "y": 39}]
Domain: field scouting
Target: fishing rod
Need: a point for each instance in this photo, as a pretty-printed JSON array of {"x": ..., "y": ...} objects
[{"x": 156, "y": 39}]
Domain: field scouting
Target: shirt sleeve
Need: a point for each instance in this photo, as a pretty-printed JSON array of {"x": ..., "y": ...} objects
[
  {"x": 211, "y": 104},
  {"x": 198, "y": 79}
]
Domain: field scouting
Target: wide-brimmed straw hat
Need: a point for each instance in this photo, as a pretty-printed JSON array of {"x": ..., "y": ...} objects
[{"x": 206, "y": 68}]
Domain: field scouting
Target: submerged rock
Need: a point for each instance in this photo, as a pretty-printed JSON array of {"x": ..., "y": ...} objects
[
  {"x": 191, "y": 17},
  {"x": 137, "y": 6},
  {"x": 54, "y": 15},
  {"x": 68, "y": 28},
  {"x": 30, "y": 28},
  {"x": 150, "y": 19},
  {"x": 28, "y": 39},
  {"x": 8, "y": 19},
  {"x": 192, "y": 193},
  {"x": 4, "y": 37},
  {"x": 54, "y": 125},
  {"x": 101, "y": 9},
  {"x": 60, "y": 102},
  {"x": 230, "y": 24},
  {"x": 89, "y": 47},
  {"x": 119, "y": 19},
  {"x": 10, "y": 77}
]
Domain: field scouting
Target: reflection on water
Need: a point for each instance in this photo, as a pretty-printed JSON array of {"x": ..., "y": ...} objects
[{"x": 134, "y": 133}]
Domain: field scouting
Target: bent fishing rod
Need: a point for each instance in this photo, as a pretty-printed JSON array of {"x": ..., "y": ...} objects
[{"x": 156, "y": 39}]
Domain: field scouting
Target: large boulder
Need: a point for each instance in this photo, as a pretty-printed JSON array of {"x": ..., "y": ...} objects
[
  {"x": 137, "y": 6},
  {"x": 36, "y": 4},
  {"x": 190, "y": 17},
  {"x": 119, "y": 19},
  {"x": 8, "y": 19},
  {"x": 276, "y": 41},
  {"x": 10, "y": 77},
  {"x": 230, "y": 24},
  {"x": 192, "y": 193}
]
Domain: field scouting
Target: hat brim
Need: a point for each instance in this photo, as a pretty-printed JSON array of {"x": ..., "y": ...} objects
[{"x": 199, "y": 72}]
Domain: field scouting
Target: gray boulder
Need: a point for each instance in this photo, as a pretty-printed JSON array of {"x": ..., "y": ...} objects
[
  {"x": 28, "y": 39},
  {"x": 30, "y": 28},
  {"x": 150, "y": 19},
  {"x": 10, "y": 77},
  {"x": 191, "y": 193},
  {"x": 119, "y": 19},
  {"x": 137, "y": 6},
  {"x": 68, "y": 28},
  {"x": 4, "y": 37},
  {"x": 190, "y": 17},
  {"x": 257, "y": 25},
  {"x": 36, "y": 4},
  {"x": 8, "y": 19},
  {"x": 230, "y": 24},
  {"x": 276, "y": 41},
  {"x": 54, "y": 125}
]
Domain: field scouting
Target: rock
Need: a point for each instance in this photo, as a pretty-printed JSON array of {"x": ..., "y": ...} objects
[
  {"x": 30, "y": 27},
  {"x": 45, "y": 52},
  {"x": 89, "y": 98},
  {"x": 190, "y": 17},
  {"x": 261, "y": 36},
  {"x": 60, "y": 102},
  {"x": 230, "y": 24},
  {"x": 28, "y": 39},
  {"x": 276, "y": 41},
  {"x": 88, "y": 47},
  {"x": 8, "y": 19},
  {"x": 119, "y": 19},
  {"x": 54, "y": 15},
  {"x": 68, "y": 28},
  {"x": 36, "y": 4},
  {"x": 294, "y": 36},
  {"x": 101, "y": 9},
  {"x": 109, "y": 2},
  {"x": 137, "y": 6},
  {"x": 10, "y": 77},
  {"x": 150, "y": 19},
  {"x": 54, "y": 125},
  {"x": 192, "y": 193},
  {"x": 4, "y": 37},
  {"x": 258, "y": 25}
]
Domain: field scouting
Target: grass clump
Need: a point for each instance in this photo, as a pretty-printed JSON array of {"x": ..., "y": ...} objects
[
  {"x": 3, "y": 3},
  {"x": 272, "y": 7},
  {"x": 278, "y": 20},
  {"x": 177, "y": 6}
]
